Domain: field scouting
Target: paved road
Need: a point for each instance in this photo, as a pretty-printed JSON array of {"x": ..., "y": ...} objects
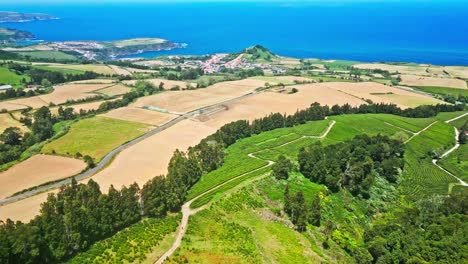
[
  {"x": 187, "y": 211},
  {"x": 110, "y": 156}
]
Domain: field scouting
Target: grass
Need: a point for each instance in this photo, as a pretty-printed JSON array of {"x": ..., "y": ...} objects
[
  {"x": 409, "y": 101},
  {"x": 242, "y": 229},
  {"x": 421, "y": 177},
  {"x": 11, "y": 78},
  {"x": 411, "y": 124},
  {"x": 443, "y": 90},
  {"x": 61, "y": 70},
  {"x": 97, "y": 68},
  {"x": 133, "y": 244},
  {"x": 336, "y": 65},
  {"x": 269, "y": 145},
  {"x": 237, "y": 162},
  {"x": 49, "y": 54},
  {"x": 95, "y": 137}
]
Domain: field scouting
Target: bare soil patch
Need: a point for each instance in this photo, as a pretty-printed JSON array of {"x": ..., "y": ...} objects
[{"x": 37, "y": 170}]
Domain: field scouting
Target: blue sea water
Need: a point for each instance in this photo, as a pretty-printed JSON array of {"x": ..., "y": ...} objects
[{"x": 412, "y": 31}]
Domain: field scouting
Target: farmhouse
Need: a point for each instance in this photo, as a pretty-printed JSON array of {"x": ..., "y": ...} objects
[{"x": 5, "y": 87}]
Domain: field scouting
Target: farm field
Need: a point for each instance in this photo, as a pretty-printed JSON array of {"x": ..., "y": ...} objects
[
  {"x": 65, "y": 92},
  {"x": 120, "y": 71},
  {"x": 380, "y": 93},
  {"x": 150, "y": 157},
  {"x": 403, "y": 69},
  {"x": 7, "y": 121},
  {"x": 443, "y": 90},
  {"x": 168, "y": 84},
  {"x": 422, "y": 178},
  {"x": 23, "y": 103},
  {"x": 9, "y": 77},
  {"x": 457, "y": 162},
  {"x": 24, "y": 210},
  {"x": 134, "y": 114},
  {"x": 97, "y": 68},
  {"x": 85, "y": 106},
  {"x": 282, "y": 79},
  {"x": 237, "y": 162},
  {"x": 37, "y": 170},
  {"x": 94, "y": 81},
  {"x": 60, "y": 95},
  {"x": 114, "y": 90},
  {"x": 185, "y": 101},
  {"x": 413, "y": 80},
  {"x": 48, "y": 54},
  {"x": 95, "y": 137},
  {"x": 457, "y": 71}
]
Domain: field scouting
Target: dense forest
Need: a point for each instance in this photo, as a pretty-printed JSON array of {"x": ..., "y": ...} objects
[
  {"x": 79, "y": 215},
  {"x": 353, "y": 164}
]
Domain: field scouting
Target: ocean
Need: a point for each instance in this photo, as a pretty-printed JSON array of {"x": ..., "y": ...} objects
[{"x": 371, "y": 31}]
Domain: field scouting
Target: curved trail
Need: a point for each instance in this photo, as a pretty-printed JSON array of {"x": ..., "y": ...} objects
[
  {"x": 111, "y": 155},
  {"x": 187, "y": 211},
  {"x": 457, "y": 145}
]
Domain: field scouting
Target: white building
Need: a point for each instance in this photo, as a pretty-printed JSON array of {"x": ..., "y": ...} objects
[{"x": 5, "y": 87}]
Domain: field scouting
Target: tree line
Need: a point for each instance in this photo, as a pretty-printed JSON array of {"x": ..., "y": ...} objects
[
  {"x": 80, "y": 214},
  {"x": 41, "y": 76}
]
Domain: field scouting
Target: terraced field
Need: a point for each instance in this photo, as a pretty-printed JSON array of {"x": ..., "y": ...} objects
[
  {"x": 420, "y": 176},
  {"x": 237, "y": 162},
  {"x": 457, "y": 162}
]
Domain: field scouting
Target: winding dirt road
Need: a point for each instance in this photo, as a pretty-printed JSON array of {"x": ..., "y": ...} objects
[{"x": 187, "y": 211}]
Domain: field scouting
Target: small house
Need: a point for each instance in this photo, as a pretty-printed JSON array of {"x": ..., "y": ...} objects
[{"x": 5, "y": 87}]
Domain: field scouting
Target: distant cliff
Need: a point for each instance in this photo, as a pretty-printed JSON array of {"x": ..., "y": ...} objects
[
  {"x": 23, "y": 17},
  {"x": 11, "y": 35}
]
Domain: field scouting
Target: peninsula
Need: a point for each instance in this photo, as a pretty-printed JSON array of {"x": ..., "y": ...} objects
[
  {"x": 23, "y": 17},
  {"x": 8, "y": 35}
]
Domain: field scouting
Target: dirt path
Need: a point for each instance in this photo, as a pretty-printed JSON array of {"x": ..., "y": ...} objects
[
  {"x": 187, "y": 211},
  {"x": 458, "y": 117},
  {"x": 419, "y": 132},
  {"x": 457, "y": 145}
]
